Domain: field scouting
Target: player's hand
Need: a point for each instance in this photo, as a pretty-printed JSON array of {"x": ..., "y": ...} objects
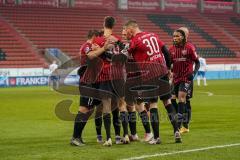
[
  {"x": 108, "y": 45},
  {"x": 112, "y": 39}
]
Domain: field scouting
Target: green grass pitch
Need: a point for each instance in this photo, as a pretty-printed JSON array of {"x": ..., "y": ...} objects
[{"x": 29, "y": 128}]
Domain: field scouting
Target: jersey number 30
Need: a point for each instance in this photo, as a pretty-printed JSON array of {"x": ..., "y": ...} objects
[{"x": 152, "y": 44}]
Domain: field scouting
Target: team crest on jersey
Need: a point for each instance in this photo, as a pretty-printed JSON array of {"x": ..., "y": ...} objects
[
  {"x": 184, "y": 52},
  {"x": 87, "y": 49}
]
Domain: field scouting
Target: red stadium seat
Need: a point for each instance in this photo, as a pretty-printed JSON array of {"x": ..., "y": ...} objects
[{"x": 66, "y": 28}]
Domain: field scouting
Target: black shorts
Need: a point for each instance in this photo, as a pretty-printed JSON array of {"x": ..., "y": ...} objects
[
  {"x": 162, "y": 95},
  {"x": 168, "y": 94},
  {"x": 88, "y": 101},
  {"x": 184, "y": 87},
  {"x": 112, "y": 89},
  {"x": 106, "y": 90}
]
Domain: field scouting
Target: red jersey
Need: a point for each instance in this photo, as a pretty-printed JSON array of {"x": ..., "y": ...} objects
[
  {"x": 146, "y": 48},
  {"x": 85, "y": 48},
  {"x": 108, "y": 72},
  {"x": 85, "y": 76},
  {"x": 183, "y": 58}
]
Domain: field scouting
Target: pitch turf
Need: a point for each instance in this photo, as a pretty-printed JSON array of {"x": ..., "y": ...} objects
[{"x": 29, "y": 128}]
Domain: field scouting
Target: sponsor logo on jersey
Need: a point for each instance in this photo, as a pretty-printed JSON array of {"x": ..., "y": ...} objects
[{"x": 184, "y": 52}]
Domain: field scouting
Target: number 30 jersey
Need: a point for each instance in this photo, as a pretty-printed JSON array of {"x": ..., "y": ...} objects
[{"x": 146, "y": 48}]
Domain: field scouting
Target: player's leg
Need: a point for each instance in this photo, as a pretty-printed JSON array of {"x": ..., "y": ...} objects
[
  {"x": 116, "y": 121},
  {"x": 132, "y": 122},
  {"x": 50, "y": 82},
  {"x": 107, "y": 120},
  {"x": 85, "y": 111},
  {"x": 118, "y": 88},
  {"x": 174, "y": 99},
  {"x": 198, "y": 78},
  {"x": 80, "y": 121},
  {"x": 187, "y": 119},
  {"x": 154, "y": 119},
  {"x": 189, "y": 111},
  {"x": 204, "y": 79},
  {"x": 182, "y": 94},
  {"x": 172, "y": 115},
  {"x": 124, "y": 119},
  {"x": 107, "y": 109},
  {"x": 171, "y": 109},
  {"x": 174, "y": 102},
  {"x": 186, "y": 122},
  {"x": 98, "y": 122},
  {"x": 143, "y": 114}
]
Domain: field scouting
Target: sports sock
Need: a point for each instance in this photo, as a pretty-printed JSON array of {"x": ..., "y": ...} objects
[
  {"x": 98, "y": 124},
  {"x": 79, "y": 124},
  {"x": 198, "y": 80},
  {"x": 175, "y": 105},
  {"x": 172, "y": 115},
  {"x": 116, "y": 122},
  {"x": 145, "y": 121},
  {"x": 107, "y": 124},
  {"x": 181, "y": 111},
  {"x": 132, "y": 122},
  {"x": 188, "y": 115},
  {"x": 154, "y": 118},
  {"x": 124, "y": 120}
]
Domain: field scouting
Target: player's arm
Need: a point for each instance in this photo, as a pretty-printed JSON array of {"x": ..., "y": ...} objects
[
  {"x": 97, "y": 52},
  {"x": 194, "y": 57},
  {"x": 197, "y": 66},
  {"x": 167, "y": 56},
  {"x": 165, "y": 52}
]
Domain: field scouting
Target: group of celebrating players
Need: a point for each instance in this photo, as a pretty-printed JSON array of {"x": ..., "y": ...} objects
[{"x": 122, "y": 75}]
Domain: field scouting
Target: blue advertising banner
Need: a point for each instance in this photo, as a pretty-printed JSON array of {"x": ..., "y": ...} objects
[
  {"x": 31, "y": 81},
  {"x": 3, "y": 81}
]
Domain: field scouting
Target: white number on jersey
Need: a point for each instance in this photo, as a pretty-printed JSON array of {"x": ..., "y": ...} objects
[{"x": 152, "y": 45}]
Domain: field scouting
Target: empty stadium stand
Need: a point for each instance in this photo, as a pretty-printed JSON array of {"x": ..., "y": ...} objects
[
  {"x": 19, "y": 53},
  {"x": 235, "y": 20},
  {"x": 26, "y": 32}
]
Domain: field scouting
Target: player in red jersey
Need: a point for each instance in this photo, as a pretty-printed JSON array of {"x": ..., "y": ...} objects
[
  {"x": 183, "y": 56},
  {"x": 185, "y": 127},
  {"x": 86, "y": 103},
  {"x": 106, "y": 78},
  {"x": 131, "y": 102},
  {"x": 150, "y": 53}
]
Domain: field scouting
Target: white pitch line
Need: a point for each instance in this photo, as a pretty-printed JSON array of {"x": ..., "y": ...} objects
[
  {"x": 184, "y": 151},
  {"x": 223, "y": 95},
  {"x": 208, "y": 93}
]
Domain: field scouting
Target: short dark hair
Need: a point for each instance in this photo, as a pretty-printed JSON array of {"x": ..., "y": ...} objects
[
  {"x": 92, "y": 33},
  {"x": 109, "y": 22},
  {"x": 131, "y": 23},
  {"x": 101, "y": 32}
]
